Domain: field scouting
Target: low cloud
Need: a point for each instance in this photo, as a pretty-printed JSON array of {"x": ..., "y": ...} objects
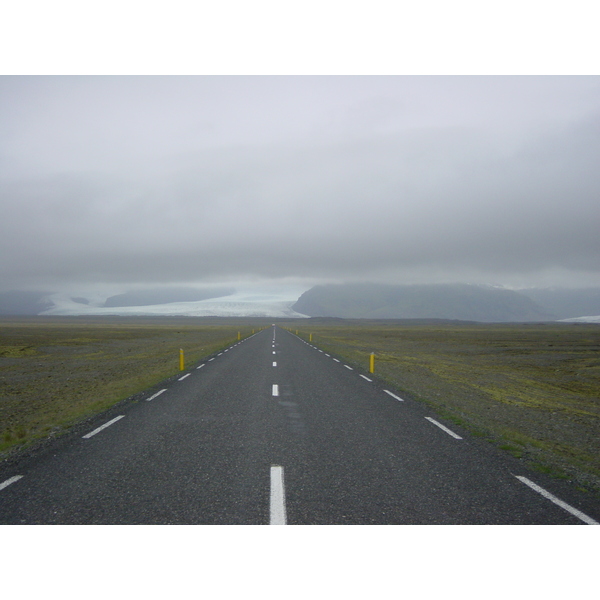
[{"x": 438, "y": 202}]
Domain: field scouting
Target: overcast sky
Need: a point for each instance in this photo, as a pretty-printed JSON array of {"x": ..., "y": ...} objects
[{"x": 122, "y": 182}]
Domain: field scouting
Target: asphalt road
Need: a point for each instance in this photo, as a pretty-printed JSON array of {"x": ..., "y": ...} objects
[{"x": 275, "y": 431}]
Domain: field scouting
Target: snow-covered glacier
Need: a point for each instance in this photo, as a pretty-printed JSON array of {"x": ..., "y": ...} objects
[
  {"x": 590, "y": 319},
  {"x": 241, "y": 304}
]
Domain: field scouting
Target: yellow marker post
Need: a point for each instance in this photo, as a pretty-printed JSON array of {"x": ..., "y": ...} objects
[
  {"x": 310, "y": 338},
  {"x": 253, "y": 332},
  {"x": 372, "y": 363},
  {"x": 181, "y": 360},
  {"x": 296, "y": 332},
  {"x": 239, "y": 337}
]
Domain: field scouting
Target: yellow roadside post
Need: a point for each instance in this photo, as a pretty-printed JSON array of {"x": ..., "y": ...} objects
[
  {"x": 181, "y": 360},
  {"x": 372, "y": 363},
  {"x": 239, "y": 338},
  {"x": 296, "y": 332},
  {"x": 310, "y": 337}
]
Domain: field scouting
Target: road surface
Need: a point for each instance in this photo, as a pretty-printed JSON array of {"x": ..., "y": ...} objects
[{"x": 275, "y": 431}]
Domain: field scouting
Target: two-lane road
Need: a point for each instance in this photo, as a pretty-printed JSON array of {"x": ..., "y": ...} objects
[{"x": 274, "y": 430}]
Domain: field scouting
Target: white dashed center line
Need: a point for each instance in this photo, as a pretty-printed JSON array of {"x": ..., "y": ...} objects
[
  {"x": 336, "y": 360},
  {"x": 347, "y": 367},
  {"x": 363, "y": 376},
  {"x": 200, "y": 366},
  {"x": 274, "y": 363},
  {"x": 182, "y": 378},
  {"x": 275, "y": 390},
  {"x": 99, "y": 429},
  {"x": 277, "y": 503},
  {"x": 448, "y": 431}
]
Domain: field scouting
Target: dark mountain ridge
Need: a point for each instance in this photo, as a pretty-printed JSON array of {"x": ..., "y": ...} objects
[
  {"x": 436, "y": 301},
  {"x": 18, "y": 302}
]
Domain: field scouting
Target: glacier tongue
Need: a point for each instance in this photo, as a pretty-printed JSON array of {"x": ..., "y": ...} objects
[
  {"x": 236, "y": 305},
  {"x": 590, "y": 319}
]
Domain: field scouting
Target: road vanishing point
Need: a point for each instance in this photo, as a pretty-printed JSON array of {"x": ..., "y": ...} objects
[{"x": 273, "y": 430}]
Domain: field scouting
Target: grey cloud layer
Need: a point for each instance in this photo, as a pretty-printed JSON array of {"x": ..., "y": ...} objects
[{"x": 442, "y": 201}]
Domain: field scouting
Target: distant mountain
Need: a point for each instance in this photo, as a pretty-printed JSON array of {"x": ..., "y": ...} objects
[
  {"x": 367, "y": 301},
  {"x": 447, "y": 301},
  {"x": 566, "y": 303},
  {"x": 166, "y": 296},
  {"x": 23, "y": 303}
]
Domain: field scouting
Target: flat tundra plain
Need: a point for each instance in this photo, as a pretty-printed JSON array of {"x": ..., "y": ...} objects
[{"x": 532, "y": 390}]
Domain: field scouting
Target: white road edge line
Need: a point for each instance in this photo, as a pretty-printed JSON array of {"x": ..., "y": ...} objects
[
  {"x": 275, "y": 390},
  {"x": 448, "y": 431},
  {"x": 336, "y": 360},
  {"x": 365, "y": 377},
  {"x": 347, "y": 367},
  {"x": 277, "y": 503},
  {"x": 89, "y": 435},
  {"x": 155, "y": 395},
  {"x": 557, "y": 501},
  {"x": 182, "y": 378},
  {"x": 6, "y": 483},
  {"x": 393, "y": 395},
  {"x": 200, "y": 366}
]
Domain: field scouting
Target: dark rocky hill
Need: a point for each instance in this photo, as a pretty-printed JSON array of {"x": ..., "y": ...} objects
[
  {"x": 23, "y": 303},
  {"x": 444, "y": 301}
]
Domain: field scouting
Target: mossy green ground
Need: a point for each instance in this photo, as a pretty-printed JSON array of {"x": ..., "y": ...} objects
[
  {"x": 56, "y": 372},
  {"x": 532, "y": 389}
]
